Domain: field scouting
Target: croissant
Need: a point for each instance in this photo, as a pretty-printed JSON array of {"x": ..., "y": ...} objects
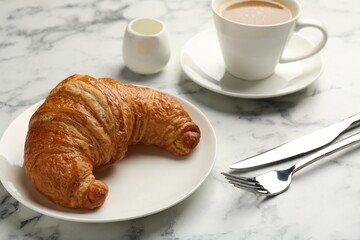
[{"x": 86, "y": 122}]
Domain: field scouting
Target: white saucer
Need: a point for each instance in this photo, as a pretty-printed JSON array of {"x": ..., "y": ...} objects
[{"x": 202, "y": 61}]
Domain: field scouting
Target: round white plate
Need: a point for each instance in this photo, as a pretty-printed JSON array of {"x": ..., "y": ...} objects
[
  {"x": 202, "y": 61},
  {"x": 147, "y": 181}
]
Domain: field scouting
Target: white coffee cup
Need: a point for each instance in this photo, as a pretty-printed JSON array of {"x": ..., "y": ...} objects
[
  {"x": 146, "y": 47},
  {"x": 252, "y": 52}
]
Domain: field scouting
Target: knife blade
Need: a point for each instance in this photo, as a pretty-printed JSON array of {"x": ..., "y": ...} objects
[{"x": 299, "y": 146}]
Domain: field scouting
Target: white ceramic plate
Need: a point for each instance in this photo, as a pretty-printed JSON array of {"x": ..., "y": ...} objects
[
  {"x": 147, "y": 181},
  {"x": 202, "y": 61}
]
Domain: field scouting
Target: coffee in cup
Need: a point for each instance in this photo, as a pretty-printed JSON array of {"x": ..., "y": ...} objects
[
  {"x": 253, "y": 34},
  {"x": 256, "y": 12}
]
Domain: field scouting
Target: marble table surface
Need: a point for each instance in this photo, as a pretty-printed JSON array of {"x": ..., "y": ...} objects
[{"x": 43, "y": 42}]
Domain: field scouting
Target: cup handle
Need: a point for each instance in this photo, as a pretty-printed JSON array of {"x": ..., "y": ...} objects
[{"x": 303, "y": 23}]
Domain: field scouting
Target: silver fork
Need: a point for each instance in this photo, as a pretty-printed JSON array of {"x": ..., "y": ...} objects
[{"x": 278, "y": 181}]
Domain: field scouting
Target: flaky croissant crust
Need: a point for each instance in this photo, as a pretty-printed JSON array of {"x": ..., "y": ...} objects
[{"x": 87, "y": 122}]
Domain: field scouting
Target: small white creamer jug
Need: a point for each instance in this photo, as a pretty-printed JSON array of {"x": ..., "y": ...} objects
[{"x": 146, "y": 47}]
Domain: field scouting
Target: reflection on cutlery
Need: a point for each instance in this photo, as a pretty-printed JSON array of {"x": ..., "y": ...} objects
[
  {"x": 299, "y": 146},
  {"x": 278, "y": 181}
]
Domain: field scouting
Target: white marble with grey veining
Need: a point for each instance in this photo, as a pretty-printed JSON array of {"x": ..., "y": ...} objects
[{"x": 42, "y": 42}]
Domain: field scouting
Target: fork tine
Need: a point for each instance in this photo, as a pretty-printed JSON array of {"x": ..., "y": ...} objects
[
  {"x": 240, "y": 179},
  {"x": 245, "y": 183},
  {"x": 236, "y": 177},
  {"x": 252, "y": 190}
]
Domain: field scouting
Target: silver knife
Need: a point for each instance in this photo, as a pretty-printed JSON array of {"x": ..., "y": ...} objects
[{"x": 300, "y": 145}]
